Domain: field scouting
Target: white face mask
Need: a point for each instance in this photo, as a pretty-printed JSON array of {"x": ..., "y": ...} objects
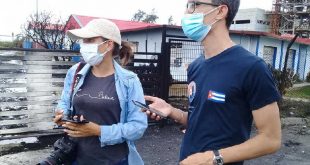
[{"x": 90, "y": 53}]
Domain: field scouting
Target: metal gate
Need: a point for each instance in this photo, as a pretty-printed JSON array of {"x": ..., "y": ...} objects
[
  {"x": 181, "y": 52},
  {"x": 148, "y": 68}
]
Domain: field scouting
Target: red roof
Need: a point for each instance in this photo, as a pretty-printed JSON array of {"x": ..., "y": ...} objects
[{"x": 124, "y": 26}]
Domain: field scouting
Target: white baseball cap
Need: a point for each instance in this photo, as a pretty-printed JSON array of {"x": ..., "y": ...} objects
[{"x": 97, "y": 28}]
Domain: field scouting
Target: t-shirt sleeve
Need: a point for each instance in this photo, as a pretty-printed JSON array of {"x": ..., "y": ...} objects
[{"x": 260, "y": 86}]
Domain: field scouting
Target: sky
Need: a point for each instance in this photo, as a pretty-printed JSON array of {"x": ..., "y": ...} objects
[{"x": 13, "y": 13}]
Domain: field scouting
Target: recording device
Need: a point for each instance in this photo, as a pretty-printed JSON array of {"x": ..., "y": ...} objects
[
  {"x": 68, "y": 118},
  {"x": 146, "y": 107},
  {"x": 75, "y": 121}
]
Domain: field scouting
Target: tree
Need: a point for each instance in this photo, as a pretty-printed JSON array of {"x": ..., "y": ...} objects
[
  {"x": 142, "y": 16},
  {"x": 139, "y": 16},
  {"x": 46, "y": 30},
  {"x": 170, "y": 20},
  {"x": 151, "y": 18},
  {"x": 287, "y": 75}
]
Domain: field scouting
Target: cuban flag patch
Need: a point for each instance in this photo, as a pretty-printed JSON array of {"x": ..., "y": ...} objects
[{"x": 216, "y": 96}]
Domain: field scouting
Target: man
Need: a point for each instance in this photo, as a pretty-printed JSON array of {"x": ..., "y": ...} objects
[{"x": 228, "y": 88}]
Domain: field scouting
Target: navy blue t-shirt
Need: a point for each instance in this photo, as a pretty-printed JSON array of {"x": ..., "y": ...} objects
[{"x": 225, "y": 89}]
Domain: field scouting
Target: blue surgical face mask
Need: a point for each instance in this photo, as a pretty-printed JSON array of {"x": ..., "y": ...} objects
[{"x": 193, "y": 26}]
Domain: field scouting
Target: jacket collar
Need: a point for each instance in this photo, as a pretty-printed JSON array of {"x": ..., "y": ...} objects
[{"x": 120, "y": 72}]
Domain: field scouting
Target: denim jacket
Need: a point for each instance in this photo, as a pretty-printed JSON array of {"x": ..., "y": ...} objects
[{"x": 132, "y": 123}]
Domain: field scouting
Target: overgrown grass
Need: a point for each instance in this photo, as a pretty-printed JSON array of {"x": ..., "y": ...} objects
[
  {"x": 6, "y": 44},
  {"x": 303, "y": 92}
]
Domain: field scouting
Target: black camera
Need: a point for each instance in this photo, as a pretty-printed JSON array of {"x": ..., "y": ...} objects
[{"x": 64, "y": 152}]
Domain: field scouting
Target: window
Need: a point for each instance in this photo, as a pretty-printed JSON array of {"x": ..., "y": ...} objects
[
  {"x": 243, "y": 21},
  {"x": 291, "y": 59},
  {"x": 263, "y": 22},
  {"x": 269, "y": 55}
]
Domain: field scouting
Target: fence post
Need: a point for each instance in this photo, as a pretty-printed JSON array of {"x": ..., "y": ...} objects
[{"x": 164, "y": 65}]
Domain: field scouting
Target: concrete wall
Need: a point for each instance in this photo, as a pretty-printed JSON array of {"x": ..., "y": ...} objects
[
  {"x": 256, "y": 16},
  {"x": 246, "y": 41},
  {"x": 153, "y": 38},
  {"x": 256, "y": 46}
]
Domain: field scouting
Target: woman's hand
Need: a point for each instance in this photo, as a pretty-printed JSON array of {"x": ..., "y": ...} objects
[
  {"x": 82, "y": 129},
  {"x": 58, "y": 116},
  {"x": 158, "y": 104}
]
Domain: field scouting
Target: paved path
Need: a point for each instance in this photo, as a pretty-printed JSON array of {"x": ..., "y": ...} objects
[{"x": 301, "y": 85}]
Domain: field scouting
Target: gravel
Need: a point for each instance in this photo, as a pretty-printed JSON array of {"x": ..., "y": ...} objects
[{"x": 160, "y": 146}]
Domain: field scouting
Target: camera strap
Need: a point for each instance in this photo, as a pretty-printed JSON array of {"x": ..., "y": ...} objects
[{"x": 75, "y": 81}]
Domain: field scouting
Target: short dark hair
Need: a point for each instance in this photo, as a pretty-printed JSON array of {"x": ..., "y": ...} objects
[{"x": 233, "y": 6}]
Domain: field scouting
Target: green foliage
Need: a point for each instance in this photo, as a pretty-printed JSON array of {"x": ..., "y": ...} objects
[
  {"x": 139, "y": 16},
  {"x": 297, "y": 79},
  {"x": 17, "y": 43},
  {"x": 6, "y": 44},
  {"x": 142, "y": 16},
  {"x": 284, "y": 79},
  {"x": 170, "y": 21},
  {"x": 303, "y": 92}
]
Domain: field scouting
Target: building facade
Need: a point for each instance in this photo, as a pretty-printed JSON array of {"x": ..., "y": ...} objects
[{"x": 272, "y": 48}]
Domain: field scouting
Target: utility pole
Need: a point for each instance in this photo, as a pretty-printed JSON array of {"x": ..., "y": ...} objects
[{"x": 37, "y": 11}]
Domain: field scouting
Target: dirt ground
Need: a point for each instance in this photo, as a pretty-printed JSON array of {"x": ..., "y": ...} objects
[{"x": 160, "y": 146}]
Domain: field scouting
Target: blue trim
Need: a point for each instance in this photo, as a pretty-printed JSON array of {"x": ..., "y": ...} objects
[
  {"x": 293, "y": 59},
  {"x": 298, "y": 60},
  {"x": 257, "y": 45},
  {"x": 281, "y": 55},
  {"x": 27, "y": 44},
  {"x": 305, "y": 63},
  {"x": 240, "y": 39},
  {"x": 274, "y": 57}
]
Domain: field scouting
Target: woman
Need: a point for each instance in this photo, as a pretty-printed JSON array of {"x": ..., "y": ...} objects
[{"x": 103, "y": 95}]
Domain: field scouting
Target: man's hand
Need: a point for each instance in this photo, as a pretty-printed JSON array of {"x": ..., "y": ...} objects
[
  {"x": 165, "y": 108},
  {"x": 205, "y": 158},
  {"x": 158, "y": 104}
]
